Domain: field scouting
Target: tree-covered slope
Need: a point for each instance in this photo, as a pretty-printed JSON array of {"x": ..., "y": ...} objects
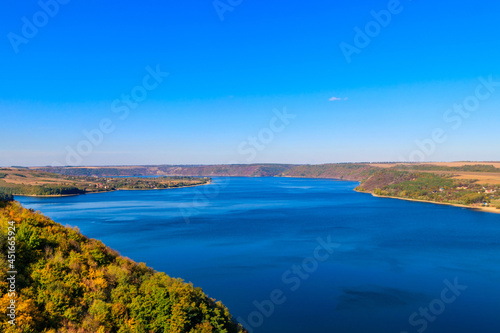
[
  {"x": 432, "y": 187},
  {"x": 66, "y": 282}
]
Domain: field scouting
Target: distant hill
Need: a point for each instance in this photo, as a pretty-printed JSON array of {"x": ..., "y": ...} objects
[
  {"x": 67, "y": 282},
  {"x": 348, "y": 171},
  {"x": 235, "y": 170}
]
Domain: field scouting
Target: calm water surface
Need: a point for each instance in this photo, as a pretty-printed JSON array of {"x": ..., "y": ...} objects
[{"x": 334, "y": 260}]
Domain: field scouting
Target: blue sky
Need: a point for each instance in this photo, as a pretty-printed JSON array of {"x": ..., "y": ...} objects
[{"x": 228, "y": 79}]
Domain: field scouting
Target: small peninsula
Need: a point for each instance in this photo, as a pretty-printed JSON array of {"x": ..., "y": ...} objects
[{"x": 28, "y": 182}]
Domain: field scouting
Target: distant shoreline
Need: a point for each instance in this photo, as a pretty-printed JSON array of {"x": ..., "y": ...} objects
[{"x": 48, "y": 196}]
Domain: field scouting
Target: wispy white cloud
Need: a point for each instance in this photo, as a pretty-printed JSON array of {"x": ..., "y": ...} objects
[{"x": 334, "y": 99}]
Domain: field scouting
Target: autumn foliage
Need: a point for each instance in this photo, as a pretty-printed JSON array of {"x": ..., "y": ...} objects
[{"x": 67, "y": 282}]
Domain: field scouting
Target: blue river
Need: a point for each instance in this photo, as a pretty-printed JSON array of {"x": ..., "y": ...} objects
[{"x": 307, "y": 255}]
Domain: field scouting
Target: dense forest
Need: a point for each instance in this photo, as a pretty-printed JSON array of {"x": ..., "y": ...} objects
[
  {"x": 66, "y": 282},
  {"x": 41, "y": 190},
  {"x": 5, "y": 197}
]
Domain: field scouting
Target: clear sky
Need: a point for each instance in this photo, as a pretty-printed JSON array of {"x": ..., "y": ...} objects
[{"x": 248, "y": 81}]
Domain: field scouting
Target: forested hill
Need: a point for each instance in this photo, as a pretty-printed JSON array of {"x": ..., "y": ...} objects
[
  {"x": 347, "y": 171},
  {"x": 67, "y": 282}
]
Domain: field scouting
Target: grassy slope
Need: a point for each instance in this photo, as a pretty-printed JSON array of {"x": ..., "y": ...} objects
[{"x": 67, "y": 282}]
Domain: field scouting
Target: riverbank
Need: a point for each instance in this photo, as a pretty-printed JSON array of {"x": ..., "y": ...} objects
[
  {"x": 49, "y": 196},
  {"x": 478, "y": 208}
]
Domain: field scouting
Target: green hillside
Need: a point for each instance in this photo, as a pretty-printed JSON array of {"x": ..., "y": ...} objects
[
  {"x": 66, "y": 282},
  {"x": 432, "y": 187}
]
